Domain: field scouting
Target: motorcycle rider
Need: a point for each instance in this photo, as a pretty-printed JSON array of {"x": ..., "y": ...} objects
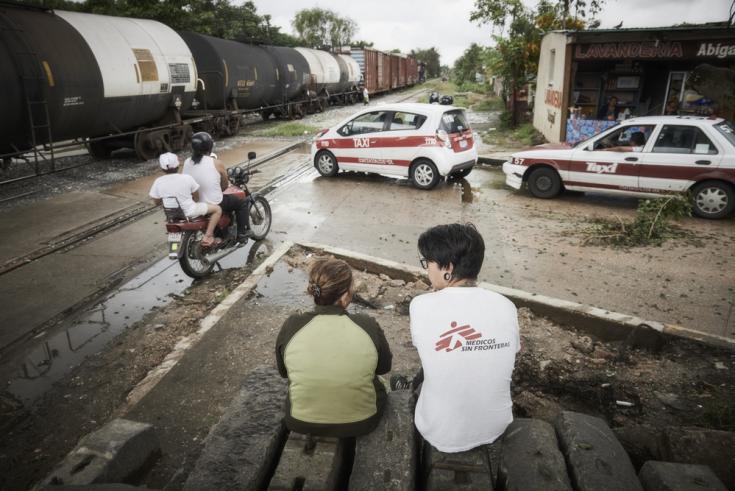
[
  {"x": 212, "y": 178},
  {"x": 179, "y": 190}
]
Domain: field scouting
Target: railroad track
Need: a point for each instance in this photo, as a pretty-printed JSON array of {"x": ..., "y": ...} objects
[
  {"x": 128, "y": 215},
  {"x": 248, "y": 122},
  {"x": 138, "y": 211}
]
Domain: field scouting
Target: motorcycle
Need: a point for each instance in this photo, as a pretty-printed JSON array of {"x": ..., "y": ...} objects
[
  {"x": 434, "y": 98},
  {"x": 185, "y": 235}
]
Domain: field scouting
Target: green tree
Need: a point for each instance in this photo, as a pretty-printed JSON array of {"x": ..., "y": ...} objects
[
  {"x": 516, "y": 53},
  {"x": 430, "y": 58},
  {"x": 467, "y": 65},
  {"x": 220, "y": 18},
  {"x": 318, "y": 27}
]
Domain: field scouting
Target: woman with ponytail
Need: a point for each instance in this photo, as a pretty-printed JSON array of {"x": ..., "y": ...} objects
[{"x": 332, "y": 359}]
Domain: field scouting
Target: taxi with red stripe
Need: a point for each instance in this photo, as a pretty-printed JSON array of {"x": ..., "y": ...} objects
[
  {"x": 645, "y": 156},
  {"x": 422, "y": 142}
]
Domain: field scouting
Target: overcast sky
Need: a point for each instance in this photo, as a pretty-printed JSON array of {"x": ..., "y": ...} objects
[{"x": 444, "y": 24}]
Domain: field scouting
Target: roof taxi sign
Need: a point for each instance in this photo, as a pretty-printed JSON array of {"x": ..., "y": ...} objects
[{"x": 652, "y": 50}]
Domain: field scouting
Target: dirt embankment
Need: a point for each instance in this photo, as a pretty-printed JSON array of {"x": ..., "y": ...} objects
[{"x": 683, "y": 384}]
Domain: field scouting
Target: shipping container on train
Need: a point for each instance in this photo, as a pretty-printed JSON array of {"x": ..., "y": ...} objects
[
  {"x": 394, "y": 61},
  {"x": 375, "y": 67},
  {"x": 69, "y": 75}
]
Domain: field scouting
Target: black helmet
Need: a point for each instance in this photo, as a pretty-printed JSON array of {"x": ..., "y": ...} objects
[{"x": 202, "y": 143}]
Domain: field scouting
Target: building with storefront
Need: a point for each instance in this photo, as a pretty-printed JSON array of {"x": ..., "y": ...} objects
[{"x": 589, "y": 79}]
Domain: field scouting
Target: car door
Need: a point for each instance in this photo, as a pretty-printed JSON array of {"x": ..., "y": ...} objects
[
  {"x": 609, "y": 162},
  {"x": 400, "y": 141},
  {"x": 358, "y": 147},
  {"x": 679, "y": 154}
]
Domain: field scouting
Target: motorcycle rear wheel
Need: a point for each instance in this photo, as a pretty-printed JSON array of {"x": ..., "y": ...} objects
[
  {"x": 260, "y": 218},
  {"x": 192, "y": 260}
]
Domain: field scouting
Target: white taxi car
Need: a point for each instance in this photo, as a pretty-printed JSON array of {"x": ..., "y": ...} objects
[
  {"x": 422, "y": 142},
  {"x": 642, "y": 157}
]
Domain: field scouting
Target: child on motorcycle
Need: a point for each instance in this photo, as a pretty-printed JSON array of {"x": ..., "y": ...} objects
[{"x": 175, "y": 190}]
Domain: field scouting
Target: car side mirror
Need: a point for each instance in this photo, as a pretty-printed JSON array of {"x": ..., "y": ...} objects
[{"x": 251, "y": 155}]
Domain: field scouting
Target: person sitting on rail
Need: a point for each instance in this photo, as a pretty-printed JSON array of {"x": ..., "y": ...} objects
[
  {"x": 467, "y": 339},
  {"x": 179, "y": 190},
  {"x": 332, "y": 360},
  {"x": 211, "y": 176}
]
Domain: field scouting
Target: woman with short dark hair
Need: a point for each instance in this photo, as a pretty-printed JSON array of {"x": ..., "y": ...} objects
[
  {"x": 332, "y": 359},
  {"x": 467, "y": 338}
]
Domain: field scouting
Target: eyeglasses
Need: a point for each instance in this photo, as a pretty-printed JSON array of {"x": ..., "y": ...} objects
[{"x": 424, "y": 262}]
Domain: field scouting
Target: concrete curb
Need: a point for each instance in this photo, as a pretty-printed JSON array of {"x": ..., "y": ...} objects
[
  {"x": 155, "y": 375},
  {"x": 602, "y": 323},
  {"x": 605, "y": 324}
]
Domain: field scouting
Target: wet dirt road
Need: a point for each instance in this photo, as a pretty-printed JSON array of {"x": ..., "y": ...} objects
[
  {"x": 56, "y": 271},
  {"x": 531, "y": 244}
]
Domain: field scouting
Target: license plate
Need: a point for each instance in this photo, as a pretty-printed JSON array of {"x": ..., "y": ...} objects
[
  {"x": 463, "y": 144},
  {"x": 174, "y": 241}
]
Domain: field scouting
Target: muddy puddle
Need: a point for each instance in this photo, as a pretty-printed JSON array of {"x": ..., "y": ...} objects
[
  {"x": 44, "y": 360},
  {"x": 558, "y": 368}
]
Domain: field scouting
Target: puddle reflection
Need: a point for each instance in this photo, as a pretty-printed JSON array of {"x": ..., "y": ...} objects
[{"x": 50, "y": 356}]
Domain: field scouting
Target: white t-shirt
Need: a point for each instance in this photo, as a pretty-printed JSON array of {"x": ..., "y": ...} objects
[
  {"x": 179, "y": 186},
  {"x": 467, "y": 339},
  {"x": 208, "y": 178}
]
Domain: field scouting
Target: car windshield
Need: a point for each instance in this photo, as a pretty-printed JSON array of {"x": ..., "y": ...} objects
[
  {"x": 454, "y": 121},
  {"x": 728, "y": 130},
  {"x": 588, "y": 140}
]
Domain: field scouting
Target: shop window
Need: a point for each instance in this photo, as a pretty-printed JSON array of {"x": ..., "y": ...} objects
[
  {"x": 683, "y": 139},
  {"x": 147, "y": 65},
  {"x": 552, "y": 64}
]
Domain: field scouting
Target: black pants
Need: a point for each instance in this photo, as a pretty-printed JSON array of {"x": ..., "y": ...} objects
[{"x": 240, "y": 207}]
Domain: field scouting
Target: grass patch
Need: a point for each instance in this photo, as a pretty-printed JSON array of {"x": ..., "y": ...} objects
[
  {"x": 652, "y": 224},
  {"x": 523, "y": 136},
  {"x": 292, "y": 128},
  {"x": 467, "y": 96},
  {"x": 490, "y": 103}
]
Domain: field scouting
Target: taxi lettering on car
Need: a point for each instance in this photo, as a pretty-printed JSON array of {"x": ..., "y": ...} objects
[
  {"x": 423, "y": 142},
  {"x": 644, "y": 156}
]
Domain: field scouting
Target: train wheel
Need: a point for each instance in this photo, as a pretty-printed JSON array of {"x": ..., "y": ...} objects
[
  {"x": 145, "y": 146},
  {"x": 322, "y": 104},
  {"x": 99, "y": 150},
  {"x": 297, "y": 111},
  {"x": 266, "y": 114},
  {"x": 234, "y": 126}
]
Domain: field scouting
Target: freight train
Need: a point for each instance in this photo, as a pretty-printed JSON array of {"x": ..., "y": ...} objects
[{"x": 117, "y": 82}]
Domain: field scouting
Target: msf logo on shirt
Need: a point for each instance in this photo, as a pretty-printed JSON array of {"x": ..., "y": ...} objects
[{"x": 455, "y": 337}]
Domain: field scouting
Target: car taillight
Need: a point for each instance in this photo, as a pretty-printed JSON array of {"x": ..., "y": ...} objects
[
  {"x": 321, "y": 132},
  {"x": 443, "y": 137}
]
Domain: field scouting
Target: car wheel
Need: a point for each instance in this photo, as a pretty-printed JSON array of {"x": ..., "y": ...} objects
[
  {"x": 544, "y": 182},
  {"x": 326, "y": 164},
  {"x": 424, "y": 174},
  {"x": 713, "y": 199},
  {"x": 460, "y": 174}
]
